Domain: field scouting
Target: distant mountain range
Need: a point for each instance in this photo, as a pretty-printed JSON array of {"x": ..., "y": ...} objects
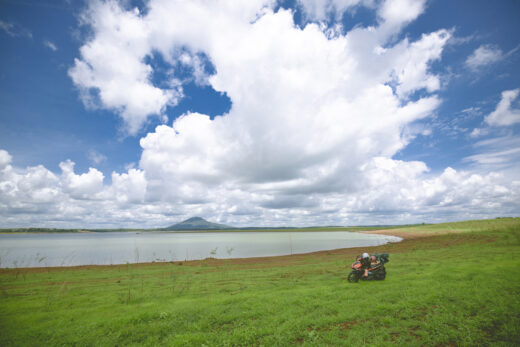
[
  {"x": 197, "y": 223},
  {"x": 194, "y": 224}
]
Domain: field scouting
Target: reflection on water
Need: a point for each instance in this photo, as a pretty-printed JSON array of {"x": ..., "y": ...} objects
[{"x": 68, "y": 249}]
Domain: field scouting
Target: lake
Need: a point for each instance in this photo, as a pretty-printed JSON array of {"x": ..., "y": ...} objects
[{"x": 105, "y": 248}]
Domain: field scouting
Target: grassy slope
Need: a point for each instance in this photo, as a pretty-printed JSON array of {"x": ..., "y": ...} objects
[
  {"x": 445, "y": 289},
  {"x": 465, "y": 226}
]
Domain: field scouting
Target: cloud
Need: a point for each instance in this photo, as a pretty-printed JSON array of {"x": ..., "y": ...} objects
[
  {"x": 501, "y": 150},
  {"x": 5, "y": 159},
  {"x": 505, "y": 114},
  {"x": 15, "y": 30},
  {"x": 392, "y": 14},
  {"x": 36, "y": 196},
  {"x": 484, "y": 55},
  {"x": 320, "y": 10},
  {"x": 412, "y": 71},
  {"x": 315, "y": 122},
  {"x": 495, "y": 153},
  {"x": 31, "y": 191},
  {"x": 84, "y": 186},
  {"x": 476, "y": 132},
  {"x": 96, "y": 158},
  {"x": 395, "y": 14},
  {"x": 112, "y": 69},
  {"x": 392, "y": 191},
  {"x": 129, "y": 187},
  {"x": 301, "y": 121},
  {"x": 494, "y": 158},
  {"x": 50, "y": 45}
]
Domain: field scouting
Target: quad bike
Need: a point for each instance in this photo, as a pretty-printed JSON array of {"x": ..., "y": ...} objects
[{"x": 375, "y": 272}]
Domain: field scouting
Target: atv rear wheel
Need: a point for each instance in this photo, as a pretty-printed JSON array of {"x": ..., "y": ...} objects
[{"x": 381, "y": 277}]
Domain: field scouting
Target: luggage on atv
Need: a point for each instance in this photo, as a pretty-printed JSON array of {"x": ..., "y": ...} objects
[{"x": 382, "y": 257}]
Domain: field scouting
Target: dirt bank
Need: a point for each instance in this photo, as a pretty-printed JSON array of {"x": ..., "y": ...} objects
[{"x": 410, "y": 234}]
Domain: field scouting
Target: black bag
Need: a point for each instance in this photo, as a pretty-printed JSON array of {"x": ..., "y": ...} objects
[{"x": 383, "y": 257}]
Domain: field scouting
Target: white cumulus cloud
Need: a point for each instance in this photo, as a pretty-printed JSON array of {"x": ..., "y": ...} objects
[
  {"x": 484, "y": 55},
  {"x": 112, "y": 70},
  {"x": 129, "y": 187},
  {"x": 84, "y": 186},
  {"x": 5, "y": 159},
  {"x": 505, "y": 114},
  {"x": 321, "y": 9},
  {"x": 395, "y": 14},
  {"x": 385, "y": 191}
]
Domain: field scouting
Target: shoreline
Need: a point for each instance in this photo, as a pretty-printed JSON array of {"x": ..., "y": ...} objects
[
  {"x": 406, "y": 237},
  {"x": 339, "y": 229},
  {"x": 281, "y": 259}
]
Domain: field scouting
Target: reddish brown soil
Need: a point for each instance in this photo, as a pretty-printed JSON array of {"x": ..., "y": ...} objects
[{"x": 407, "y": 235}]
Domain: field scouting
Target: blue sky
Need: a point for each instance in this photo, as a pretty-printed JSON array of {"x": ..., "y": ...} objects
[
  {"x": 43, "y": 119},
  {"x": 222, "y": 133}
]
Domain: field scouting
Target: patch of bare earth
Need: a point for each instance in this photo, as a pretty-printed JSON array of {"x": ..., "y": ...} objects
[{"x": 411, "y": 234}]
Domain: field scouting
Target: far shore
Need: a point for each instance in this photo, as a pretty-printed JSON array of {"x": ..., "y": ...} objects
[
  {"x": 277, "y": 259},
  {"x": 252, "y": 229},
  {"x": 407, "y": 235}
]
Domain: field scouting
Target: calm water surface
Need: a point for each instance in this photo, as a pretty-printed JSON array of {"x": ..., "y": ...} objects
[{"x": 68, "y": 249}]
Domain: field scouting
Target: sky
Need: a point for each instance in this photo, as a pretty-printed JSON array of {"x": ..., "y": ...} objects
[{"x": 258, "y": 113}]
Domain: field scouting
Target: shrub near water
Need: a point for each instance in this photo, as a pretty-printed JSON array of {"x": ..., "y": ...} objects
[{"x": 459, "y": 289}]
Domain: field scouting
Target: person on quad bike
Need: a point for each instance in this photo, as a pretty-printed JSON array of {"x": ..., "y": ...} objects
[
  {"x": 365, "y": 263},
  {"x": 368, "y": 267}
]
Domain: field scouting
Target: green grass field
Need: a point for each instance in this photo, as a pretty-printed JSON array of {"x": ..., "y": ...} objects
[{"x": 441, "y": 290}]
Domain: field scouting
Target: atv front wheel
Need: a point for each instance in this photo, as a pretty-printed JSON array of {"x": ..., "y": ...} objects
[{"x": 353, "y": 277}]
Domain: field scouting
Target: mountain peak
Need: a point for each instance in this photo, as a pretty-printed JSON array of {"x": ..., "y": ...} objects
[
  {"x": 195, "y": 219},
  {"x": 197, "y": 223}
]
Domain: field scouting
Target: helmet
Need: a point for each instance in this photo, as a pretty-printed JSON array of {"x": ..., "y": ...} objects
[
  {"x": 373, "y": 259},
  {"x": 365, "y": 255}
]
